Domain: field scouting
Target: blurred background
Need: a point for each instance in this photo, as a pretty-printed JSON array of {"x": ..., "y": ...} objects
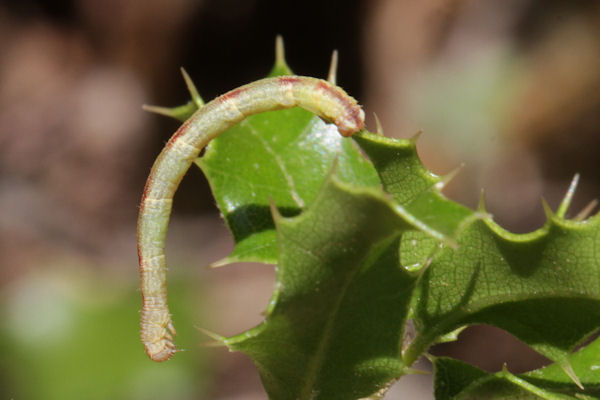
[{"x": 509, "y": 88}]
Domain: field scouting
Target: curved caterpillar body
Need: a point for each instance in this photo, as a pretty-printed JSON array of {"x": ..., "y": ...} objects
[{"x": 318, "y": 96}]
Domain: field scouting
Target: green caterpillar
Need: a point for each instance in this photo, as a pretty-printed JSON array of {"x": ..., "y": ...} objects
[{"x": 321, "y": 97}]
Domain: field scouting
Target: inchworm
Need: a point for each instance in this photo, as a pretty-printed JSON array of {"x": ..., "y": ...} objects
[{"x": 320, "y": 97}]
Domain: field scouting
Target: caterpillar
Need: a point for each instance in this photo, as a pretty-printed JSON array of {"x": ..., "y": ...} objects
[{"x": 318, "y": 96}]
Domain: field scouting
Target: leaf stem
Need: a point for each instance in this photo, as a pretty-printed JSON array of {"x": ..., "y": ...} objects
[
  {"x": 506, "y": 374},
  {"x": 416, "y": 348}
]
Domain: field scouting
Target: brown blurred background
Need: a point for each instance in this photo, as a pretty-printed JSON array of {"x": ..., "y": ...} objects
[{"x": 509, "y": 88}]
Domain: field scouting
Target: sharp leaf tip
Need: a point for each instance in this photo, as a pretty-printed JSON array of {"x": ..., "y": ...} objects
[{"x": 333, "y": 66}]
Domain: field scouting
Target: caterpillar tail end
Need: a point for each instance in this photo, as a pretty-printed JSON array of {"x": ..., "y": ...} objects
[
  {"x": 164, "y": 354},
  {"x": 158, "y": 341}
]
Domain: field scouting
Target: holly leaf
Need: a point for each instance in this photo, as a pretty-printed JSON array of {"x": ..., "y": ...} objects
[
  {"x": 334, "y": 326},
  {"x": 411, "y": 185},
  {"x": 456, "y": 380},
  {"x": 281, "y": 157},
  {"x": 291, "y": 154},
  {"x": 543, "y": 287}
]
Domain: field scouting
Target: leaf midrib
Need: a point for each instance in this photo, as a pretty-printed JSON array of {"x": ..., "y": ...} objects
[
  {"x": 289, "y": 178},
  {"x": 452, "y": 318},
  {"x": 317, "y": 361}
]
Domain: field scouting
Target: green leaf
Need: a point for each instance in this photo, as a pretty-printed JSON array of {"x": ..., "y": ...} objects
[
  {"x": 543, "y": 287},
  {"x": 334, "y": 326},
  {"x": 418, "y": 190},
  {"x": 457, "y": 380},
  {"x": 411, "y": 185},
  {"x": 453, "y": 376},
  {"x": 585, "y": 364},
  {"x": 280, "y": 156},
  {"x": 291, "y": 154},
  {"x": 400, "y": 169}
]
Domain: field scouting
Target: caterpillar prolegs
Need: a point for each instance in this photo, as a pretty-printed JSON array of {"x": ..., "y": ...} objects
[{"x": 318, "y": 96}]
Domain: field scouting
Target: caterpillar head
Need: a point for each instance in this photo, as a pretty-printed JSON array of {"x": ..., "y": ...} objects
[{"x": 351, "y": 121}]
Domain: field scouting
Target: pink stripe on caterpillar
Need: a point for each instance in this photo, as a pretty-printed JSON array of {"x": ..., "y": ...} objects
[
  {"x": 182, "y": 129},
  {"x": 291, "y": 79},
  {"x": 324, "y": 99},
  {"x": 231, "y": 94}
]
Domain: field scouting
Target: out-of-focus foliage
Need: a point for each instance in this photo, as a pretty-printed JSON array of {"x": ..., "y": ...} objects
[{"x": 69, "y": 333}]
